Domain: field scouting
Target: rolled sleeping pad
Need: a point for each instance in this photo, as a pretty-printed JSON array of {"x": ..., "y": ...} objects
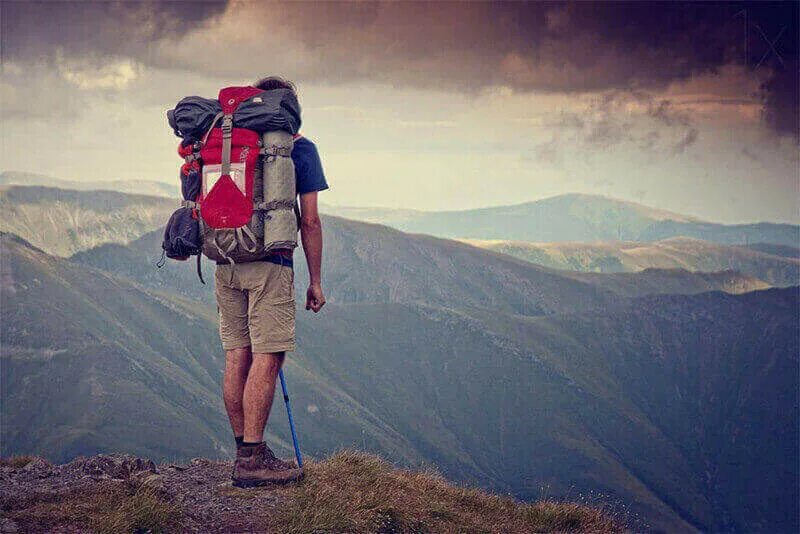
[{"x": 279, "y": 189}]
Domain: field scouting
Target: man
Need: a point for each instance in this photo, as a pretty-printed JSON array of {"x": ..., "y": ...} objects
[{"x": 256, "y": 323}]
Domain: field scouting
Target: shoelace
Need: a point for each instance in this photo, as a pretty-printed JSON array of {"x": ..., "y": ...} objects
[{"x": 273, "y": 461}]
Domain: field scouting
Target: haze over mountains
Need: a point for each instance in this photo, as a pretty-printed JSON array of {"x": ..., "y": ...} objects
[
  {"x": 777, "y": 265},
  {"x": 642, "y": 386},
  {"x": 134, "y": 187},
  {"x": 572, "y": 217}
]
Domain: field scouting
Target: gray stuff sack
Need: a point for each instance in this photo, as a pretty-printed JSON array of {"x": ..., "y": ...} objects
[{"x": 276, "y": 109}]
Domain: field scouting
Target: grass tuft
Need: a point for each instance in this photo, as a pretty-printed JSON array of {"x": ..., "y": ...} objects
[
  {"x": 359, "y": 493},
  {"x": 110, "y": 507},
  {"x": 140, "y": 511}
]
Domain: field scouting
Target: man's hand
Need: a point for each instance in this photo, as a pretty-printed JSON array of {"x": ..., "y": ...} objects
[
  {"x": 315, "y": 300},
  {"x": 311, "y": 233}
]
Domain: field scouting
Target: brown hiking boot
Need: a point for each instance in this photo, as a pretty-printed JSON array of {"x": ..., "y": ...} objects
[
  {"x": 256, "y": 467},
  {"x": 275, "y": 463}
]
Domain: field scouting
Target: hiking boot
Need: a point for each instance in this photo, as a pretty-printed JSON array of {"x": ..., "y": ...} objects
[
  {"x": 275, "y": 463},
  {"x": 255, "y": 467}
]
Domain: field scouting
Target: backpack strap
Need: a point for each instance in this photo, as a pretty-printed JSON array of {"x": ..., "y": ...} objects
[
  {"x": 227, "y": 131},
  {"x": 275, "y": 150},
  {"x": 217, "y": 117},
  {"x": 273, "y": 205},
  {"x": 225, "y": 253},
  {"x": 242, "y": 234},
  {"x": 200, "y": 270}
]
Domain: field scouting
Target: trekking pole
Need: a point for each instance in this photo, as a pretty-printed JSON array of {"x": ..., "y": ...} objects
[{"x": 291, "y": 421}]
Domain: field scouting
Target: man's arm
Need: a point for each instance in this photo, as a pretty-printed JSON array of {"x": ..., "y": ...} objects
[{"x": 311, "y": 234}]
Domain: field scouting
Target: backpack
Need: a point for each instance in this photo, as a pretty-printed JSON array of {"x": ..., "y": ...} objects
[{"x": 238, "y": 177}]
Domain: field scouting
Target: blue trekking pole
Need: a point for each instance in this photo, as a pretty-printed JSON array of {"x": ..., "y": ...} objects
[{"x": 291, "y": 421}]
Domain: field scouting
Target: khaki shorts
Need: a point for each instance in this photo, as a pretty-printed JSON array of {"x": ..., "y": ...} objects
[{"x": 256, "y": 306}]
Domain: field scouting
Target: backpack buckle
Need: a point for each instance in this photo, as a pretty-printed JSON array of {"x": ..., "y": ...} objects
[{"x": 227, "y": 125}]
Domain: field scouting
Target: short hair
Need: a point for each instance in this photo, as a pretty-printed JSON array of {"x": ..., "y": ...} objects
[{"x": 275, "y": 82}]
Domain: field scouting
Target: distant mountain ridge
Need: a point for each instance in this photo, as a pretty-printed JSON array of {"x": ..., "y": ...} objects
[
  {"x": 571, "y": 217},
  {"x": 65, "y": 221},
  {"x": 674, "y": 253},
  {"x": 137, "y": 187},
  {"x": 564, "y": 218},
  {"x": 360, "y": 266}
]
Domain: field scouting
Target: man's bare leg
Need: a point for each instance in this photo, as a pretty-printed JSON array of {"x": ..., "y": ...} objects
[
  {"x": 237, "y": 366},
  {"x": 258, "y": 393}
]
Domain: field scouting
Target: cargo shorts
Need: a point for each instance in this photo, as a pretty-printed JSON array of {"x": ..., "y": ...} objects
[{"x": 256, "y": 306}]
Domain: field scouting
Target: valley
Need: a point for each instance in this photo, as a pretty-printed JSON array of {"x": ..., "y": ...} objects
[{"x": 669, "y": 390}]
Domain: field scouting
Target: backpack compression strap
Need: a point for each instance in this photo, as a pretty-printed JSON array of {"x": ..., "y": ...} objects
[{"x": 227, "y": 129}]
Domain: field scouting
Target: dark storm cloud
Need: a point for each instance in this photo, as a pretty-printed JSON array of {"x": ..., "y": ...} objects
[
  {"x": 34, "y": 30},
  {"x": 460, "y": 46}
]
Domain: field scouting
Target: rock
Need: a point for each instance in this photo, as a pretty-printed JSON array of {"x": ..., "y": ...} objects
[
  {"x": 176, "y": 467},
  {"x": 38, "y": 466},
  {"x": 8, "y": 525},
  {"x": 116, "y": 466}
]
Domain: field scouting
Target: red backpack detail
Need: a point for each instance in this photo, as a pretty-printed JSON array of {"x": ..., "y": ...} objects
[{"x": 229, "y": 156}]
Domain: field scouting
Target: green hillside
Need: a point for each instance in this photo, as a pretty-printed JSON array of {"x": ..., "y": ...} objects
[
  {"x": 361, "y": 265},
  {"x": 371, "y": 263},
  {"x": 643, "y": 401},
  {"x": 505, "y": 374},
  {"x": 90, "y": 363}
]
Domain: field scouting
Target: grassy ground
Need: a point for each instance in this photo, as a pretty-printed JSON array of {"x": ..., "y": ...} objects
[
  {"x": 349, "y": 492},
  {"x": 108, "y": 507},
  {"x": 357, "y": 492}
]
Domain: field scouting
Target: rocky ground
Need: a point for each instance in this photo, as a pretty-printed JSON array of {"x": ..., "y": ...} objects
[
  {"x": 348, "y": 492},
  {"x": 200, "y": 492}
]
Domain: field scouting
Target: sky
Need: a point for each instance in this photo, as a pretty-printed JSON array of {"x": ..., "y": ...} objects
[{"x": 690, "y": 107}]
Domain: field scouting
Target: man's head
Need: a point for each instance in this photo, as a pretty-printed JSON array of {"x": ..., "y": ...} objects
[{"x": 275, "y": 82}]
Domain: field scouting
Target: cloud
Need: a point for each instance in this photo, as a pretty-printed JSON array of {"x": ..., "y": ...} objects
[
  {"x": 688, "y": 139},
  {"x": 466, "y": 47},
  {"x": 617, "y": 118},
  {"x": 87, "y": 75},
  {"x": 37, "y": 93},
  {"x": 35, "y": 30}
]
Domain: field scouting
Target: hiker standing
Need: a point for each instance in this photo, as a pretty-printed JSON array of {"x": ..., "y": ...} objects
[{"x": 241, "y": 181}]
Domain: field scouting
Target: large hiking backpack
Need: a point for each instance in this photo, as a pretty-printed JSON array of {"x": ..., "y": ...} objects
[{"x": 238, "y": 179}]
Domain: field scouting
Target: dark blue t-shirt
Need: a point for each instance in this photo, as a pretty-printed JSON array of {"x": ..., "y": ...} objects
[{"x": 307, "y": 167}]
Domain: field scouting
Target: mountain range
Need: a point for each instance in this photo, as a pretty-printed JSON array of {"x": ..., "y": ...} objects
[
  {"x": 774, "y": 264},
  {"x": 64, "y": 221},
  {"x": 134, "y": 187},
  {"x": 571, "y": 217},
  {"x": 657, "y": 388}
]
